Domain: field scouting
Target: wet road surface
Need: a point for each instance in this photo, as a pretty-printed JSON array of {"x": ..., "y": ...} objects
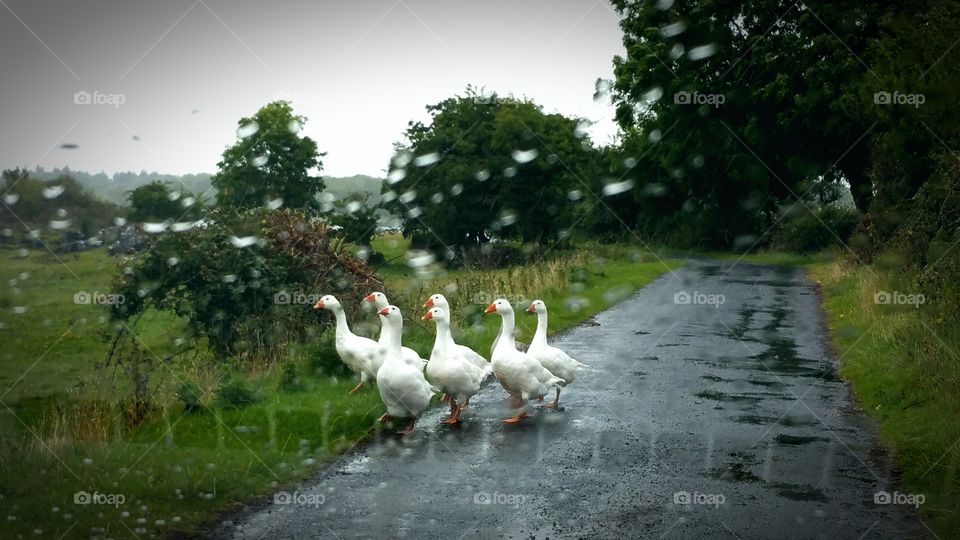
[{"x": 697, "y": 420}]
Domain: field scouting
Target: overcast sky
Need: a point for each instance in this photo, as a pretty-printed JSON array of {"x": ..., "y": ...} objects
[{"x": 187, "y": 70}]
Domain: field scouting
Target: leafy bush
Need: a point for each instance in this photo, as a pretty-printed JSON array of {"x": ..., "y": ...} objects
[
  {"x": 244, "y": 280},
  {"x": 815, "y": 230},
  {"x": 322, "y": 356},
  {"x": 189, "y": 394},
  {"x": 290, "y": 379},
  {"x": 236, "y": 392}
]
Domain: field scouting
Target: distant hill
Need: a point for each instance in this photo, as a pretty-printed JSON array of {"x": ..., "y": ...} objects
[{"x": 114, "y": 188}]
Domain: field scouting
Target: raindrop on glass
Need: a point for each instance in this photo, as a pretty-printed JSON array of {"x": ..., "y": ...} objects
[
  {"x": 457, "y": 189},
  {"x": 52, "y": 192},
  {"x": 525, "y": 156},
  {"x": 617, "y": 188},
  {"x": 247, "y": 130},
  {"x": 11, "y": 198},
  {"x": 482, "y": 176},
  {"x": 673, "y": 29},
  {"x": 701, "y": 52},
  {"x": 396, "y": 175},
  {"x": 242, "y": 242},
  {"x": 154, "y": 228},
  {"x": 260, "y": 161},
  {"x": 426, "y": 159}
]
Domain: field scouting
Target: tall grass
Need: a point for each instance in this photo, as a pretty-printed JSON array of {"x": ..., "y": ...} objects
[{"x": 904, "y": 364}]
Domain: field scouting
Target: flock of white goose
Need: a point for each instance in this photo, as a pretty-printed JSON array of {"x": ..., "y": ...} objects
[{"x": 407, "y": 382}]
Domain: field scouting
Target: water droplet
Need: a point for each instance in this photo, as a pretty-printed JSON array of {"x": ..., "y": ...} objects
[
  {"x": 581, "y": 130},
  {"x": 294, "y": 126},
  {"x": 119, "y": 222},
  {"x": 260, "y": 161},
  {"x": 154, "y": 228},
  {"x": 353, "y": 206},
  {"x": 426, "y": 159},
  {"x": 396, "y": 175},
  {"x": 510, "y": 172},
  {"x": 59, "y": 224},
  {"x": 701, "y": 52},
  {"x": 676, "y": 51},
  {"x": 617, "y": 188},
  {"x": 181, "y": 226},
  {"x": 414, "y": 212},
  {"x": 664, "y": 5},
  {"x": 242, "y": 242},
  {"x": 173, "y": 261},
  {"x": 52, "y": 192},
  {"x": 402, "y": 159},
  {"x": 673, "y": 29},
  {"x": 655, "y": 136},
  {"x": 697, "y": 161},
  {"x": 417, "y": 258},
  {"x": 630, "y": 162},
  {"x": 652, "y": 95},
  {"x": 456, "y": 189},
  {"x": 437, "y": 198},
  {"x": 654, "y": 189},
  {"x": 525, "y": 156},
  {"x": 482, "y": 175},
  {"x": 575, "y": 195},
  {"x": 507, "y": 218},
  {"x": 229, "y": 278},
  {"x": 273, "y": 204},
  {"x": 11, "y": 198},
  {"x": 247, "y": 130}
]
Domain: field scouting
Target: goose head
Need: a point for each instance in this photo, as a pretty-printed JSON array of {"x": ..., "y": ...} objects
[
  {"x": 328, "y": 302},
  {"x": 391, "y": 315},
  {"x": 378, "y": 298},
  {"x": 436, "y": 314},
  {"x": 500, "y": 306},
  {"x": 437, "y": 300},
  {"x": 537, "y": 306}
]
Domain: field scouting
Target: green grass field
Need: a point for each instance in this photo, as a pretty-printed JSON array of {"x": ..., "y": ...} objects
[
  {"x": 67, "y": 422},
  {"x": 903, "y": 362}
]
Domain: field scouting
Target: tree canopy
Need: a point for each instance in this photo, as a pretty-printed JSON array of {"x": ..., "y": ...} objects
[{"x": 271, "y": 163}]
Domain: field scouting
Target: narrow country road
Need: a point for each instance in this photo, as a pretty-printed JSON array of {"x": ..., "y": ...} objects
[{"x": 696, "y": 421}]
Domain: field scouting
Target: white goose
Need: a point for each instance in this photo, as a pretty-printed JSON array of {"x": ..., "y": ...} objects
[
  {"x": 555, "y": 360},
  {"x": 519, "y": 373},
  {"x": 410, "y": 356},
  {"x": 360, "y": 354},
  {"x": 440, "y": 301},
  {"x": 451, "y": 367},
  {"x": 403, "y": 389}
]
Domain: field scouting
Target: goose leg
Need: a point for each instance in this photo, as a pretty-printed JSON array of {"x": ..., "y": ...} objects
[
  {"x": 445, "y": 397},
  {"x": 555, "y": 401},
  {"x": 454, "y": 413},
  {"x": 355, "y": 388},
  {"x": 410, "y": 427},
  {"x": 383, "y": 418}
]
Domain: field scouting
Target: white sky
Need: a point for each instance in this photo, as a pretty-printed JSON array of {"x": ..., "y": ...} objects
[{"x": 189, "y": 69}]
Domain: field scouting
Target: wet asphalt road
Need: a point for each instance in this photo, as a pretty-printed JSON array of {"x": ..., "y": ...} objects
[{"x": 735, "y": 408}]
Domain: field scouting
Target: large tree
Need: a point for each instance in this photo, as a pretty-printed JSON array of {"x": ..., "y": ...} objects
[
  {"x": 743, "y": 101},
  {"x": 271, "y": 163},
  {"x": 485, "y": 167}
]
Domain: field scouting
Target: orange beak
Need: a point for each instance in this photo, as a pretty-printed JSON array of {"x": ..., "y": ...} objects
[
  {"x": 318, "y": 305},
  {"x": 369, "y": 298},
  {"x": 383, "y": 311},
  {"x": 428, "y": 303},
  {"x": 428, "y": 316},
  {"x": 490, "y": 309},
  {"x": 531, "y": 309}
]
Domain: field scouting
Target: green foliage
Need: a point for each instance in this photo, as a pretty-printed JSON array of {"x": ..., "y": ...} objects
[
  {"x": 236, "y": 392},
  {"x": 80, "y": 210},
  {"x": 487, "y": 167},
  {"x": 321, "y": 355},
  {"x": 157, "y": 202},
  {"x": 812, "y": 230},
  {"x": 245, "y": 281},
  {"x": 357, "y": 221},
  {"x": 290, "y": 380},
  {"x": 270, "y": 161},
  {"x": 189, "y": 395}
]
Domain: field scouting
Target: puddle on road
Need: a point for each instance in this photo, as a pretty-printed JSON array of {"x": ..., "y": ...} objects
[{"x": 797, "y": 440}]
